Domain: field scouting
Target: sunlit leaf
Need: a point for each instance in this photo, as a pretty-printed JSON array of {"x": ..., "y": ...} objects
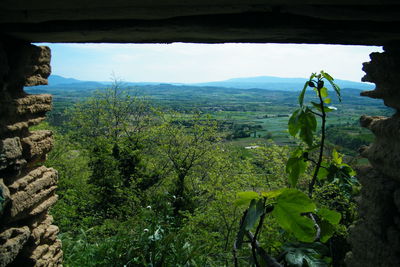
[
  {"x": 308, "y": 127},
  {"x": 244, "y": 198},
  {"x": 273, "y": 193},
  {"x": 294, "y": 122},
  {"x": 326, "y": 76},
  {"x": 331, "y": 216},
  {"x": 326, "y": 108},
  {"x": 337, "y": 159},
  {"x": 295, "y": 167},
  {"x": 334, "y": 85},
  {"x": 301, "y": 96},
  {"x": 322, "y": 173},
  {"x": 288, "y": 210},
  {"x": 324, "y": 92}
]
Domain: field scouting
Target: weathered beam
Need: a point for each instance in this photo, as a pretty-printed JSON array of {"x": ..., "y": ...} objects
[
  {"x": 73, "y": 4},
  {"x": 336, "y": 12},
  {"x": 247, "y": 27}
]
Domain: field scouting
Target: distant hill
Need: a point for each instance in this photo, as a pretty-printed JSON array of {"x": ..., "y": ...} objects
[
  {"x": 278, "y": 83},
  {"x": 260, "y": 82},
  {"x": 71, "y": 83},
  {"x": 56, "y": 80}
]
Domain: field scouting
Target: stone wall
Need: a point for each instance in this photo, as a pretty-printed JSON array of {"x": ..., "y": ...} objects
[
  {"x": 376, "y": 237},
  {"x": 27, "y": 188}
]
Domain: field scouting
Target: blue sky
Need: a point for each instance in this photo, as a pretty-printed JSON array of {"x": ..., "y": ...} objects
[{"x": 186, "y": 62}]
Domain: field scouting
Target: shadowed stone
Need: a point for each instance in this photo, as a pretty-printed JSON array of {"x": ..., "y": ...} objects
[{"x": 11, "y": 243}]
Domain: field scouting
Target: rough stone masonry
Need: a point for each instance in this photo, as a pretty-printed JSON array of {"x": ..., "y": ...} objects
[
  {"x": 375, "y": 238},
  {"x": 27, "y": 188}
]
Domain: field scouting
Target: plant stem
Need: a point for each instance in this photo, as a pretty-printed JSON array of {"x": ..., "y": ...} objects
[
  {"x": 254, "y": 239},
  {"x": 321, "y": 148},
  {"x": 271, "y": 262}
]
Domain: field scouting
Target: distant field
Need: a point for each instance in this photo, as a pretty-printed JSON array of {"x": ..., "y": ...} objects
[{"x": 261, "y": 114}]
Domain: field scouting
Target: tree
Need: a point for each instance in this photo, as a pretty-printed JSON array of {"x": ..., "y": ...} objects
[
  {"x": 185, "y": 149},
  {"x": 111, "y": 125},
  {"x": 111, "y": 114}
]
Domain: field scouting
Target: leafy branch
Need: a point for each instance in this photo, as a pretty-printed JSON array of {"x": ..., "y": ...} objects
[{"x": 294, "y": 211}]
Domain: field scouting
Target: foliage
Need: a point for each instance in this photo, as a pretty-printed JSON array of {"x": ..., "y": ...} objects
[
  {"x": 306, "y": 254},
  {"x": 293, "y": 210},
  {"x": 144, "y": 187}
]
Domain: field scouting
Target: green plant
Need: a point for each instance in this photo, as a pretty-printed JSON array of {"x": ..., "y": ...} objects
[{"x": 309, "y": 224}]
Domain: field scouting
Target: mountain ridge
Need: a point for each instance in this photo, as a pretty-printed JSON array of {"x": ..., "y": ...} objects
[{"x": 257, "y": 82}]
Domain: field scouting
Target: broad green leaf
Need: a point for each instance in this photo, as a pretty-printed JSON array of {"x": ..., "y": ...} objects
[
  {"x": 327, "y": 100},
  {"x": 306, "y": 254},
  {"x": 254, "y": 212},
  {"x": 328, "y": 219},
  {"x": 244, "y": 198},
  {"x": 288, "y": 210},
  {"x": 312, "y": 121},
  {"x": 305, "y": 122},
  {"x": 337, "y": 90},
  {"x": 347, "y": 169},
  {"x": 334, "y": 85},
  {"x": 273, "y": 193},
  {"x": 337, "y": 159},
  {"x": 295, "y": 167},
  {"x": 298, "y": 152},
  {"x": 301, "y": 96},
  {"x": 294, "y": 123},
  {"x": 331, "y": 216},
  {"x": 322, "y": 173},
  {"x": 327, "y": 76},
  {"x": 326, "y": 108},
  {"x": 316, "y": 105},
  {"x": 327, "y": 230},
  {"x": 324, "y": 92},
  {"x": 308, "y": 127}
]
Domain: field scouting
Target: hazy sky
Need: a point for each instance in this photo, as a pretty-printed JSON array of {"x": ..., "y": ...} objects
[{"x": 185, "y": 62}]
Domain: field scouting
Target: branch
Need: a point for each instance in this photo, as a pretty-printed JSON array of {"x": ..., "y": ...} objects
[
  {"x": 322, "y": 144},
  {"x": 270, "y": 261},
  {"x": 316, "y": 113},
  {"x": 313, "y": 161},
  {"x": 318, "y": 234}
]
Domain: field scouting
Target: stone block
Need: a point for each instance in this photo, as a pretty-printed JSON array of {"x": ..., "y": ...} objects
[
  {"x": 18, "y": 126},
  {"x": 10, "y": 152},
  {"x": 12, "y": 241},
  {"x": 4, "y": 196},
  {"x": 22, "y": 112},
  {"x": 45, "y": 254},
  {"x": 37, "y": 145},
  {"x": 384, "y": 153},
  {"x": 32, "y": 193},
  {"x": 38, "y": 68},
  {"x": 383, "y": 70}
]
